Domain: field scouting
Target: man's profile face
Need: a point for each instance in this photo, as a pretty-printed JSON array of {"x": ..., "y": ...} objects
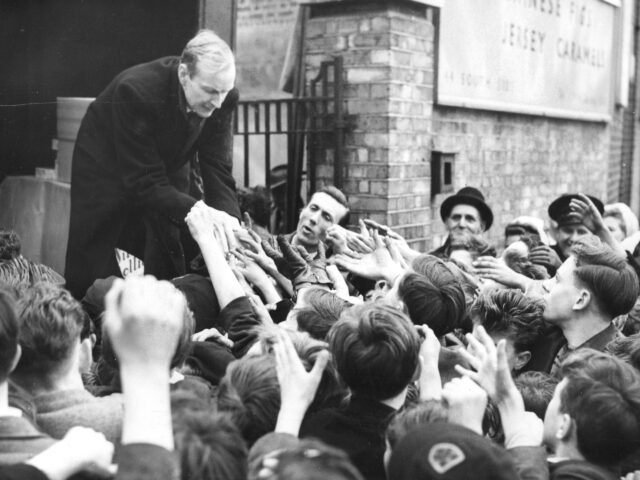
[
  {"x": 464, "y": 218},
  {"x": 566, "y": 236},
  {"x": 207, "y": 88},
  {"x": 561, "y": 292},
  {"x": 320, "y": 213}
]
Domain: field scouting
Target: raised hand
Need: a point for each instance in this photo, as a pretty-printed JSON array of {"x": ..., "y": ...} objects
[
  {"x": 545, "y": 256},
  {"x": 228, "y": 225},
  {"x": 144, "y": 318},
  {"x": 200, "y": 221},
  {"x": 430, "y": 384},
  {"x": 297, "y": 386},
  {"x": 490, "y": 364},
  {"x": 377, "y": 265},
  {"x": 80, "y": 450},
  {"x": 337, "y": 238},
  {"x": 467, "y": 402},
  {"x": 339, "y": 284},
  {"x": 393, "y": 239},
  {"x": 256, "y": 252},
  {"x": 214, "y": 335},
  {"x": 495, "y": 269},
  {"x": 272, "y": 250},
  {"x": 591, "y": 217},
  {"x": 492, "y": 373},
  {"x": 260, "y": 310},
  {"x": 247, "y": 221},
  {"x": 305, "y": 270},
  {"x": 253, "y": 272}
]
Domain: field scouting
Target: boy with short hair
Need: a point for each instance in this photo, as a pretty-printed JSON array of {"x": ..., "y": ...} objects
[
  {"x": 511, "y": 315},
  {"x": 376, "y": 351}
]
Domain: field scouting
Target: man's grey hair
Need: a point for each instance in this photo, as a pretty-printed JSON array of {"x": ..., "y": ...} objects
[{"x": 208, "y": 49}]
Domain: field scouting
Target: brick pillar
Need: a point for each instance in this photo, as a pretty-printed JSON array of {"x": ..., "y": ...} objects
[{"x": 388, "y": 52}]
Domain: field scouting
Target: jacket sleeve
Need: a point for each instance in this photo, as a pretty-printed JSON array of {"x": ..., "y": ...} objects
[
  {"x": 530, "y": 463},
  {"x": 215, "y": 153},
  {"x": 240, "y": 321},
  {"x": 142, "y": 169},
  {"x": 21, "y": 471},
  {"x": 140, "y": 461}
]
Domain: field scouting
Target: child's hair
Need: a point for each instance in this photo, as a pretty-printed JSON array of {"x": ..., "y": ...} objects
[
  {"x": 627, "y": 349},
  {"x": 602, "y": 396},
  {"x": 512, "y": 314},
  {"x": 209, "y": 445},
  {"x": 537, "y": 390},
  {"x": 322, "y": 309},
  {"x": 331, "y": 391},
  {"x": 9, "y": 331},
  {"x": 250, "y": 393},
  {"x": 376, "y": 350},
  {"x": 9, "y": 245}
]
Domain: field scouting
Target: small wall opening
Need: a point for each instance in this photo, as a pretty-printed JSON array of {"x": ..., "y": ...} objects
[{"x": 441, "y": 172}]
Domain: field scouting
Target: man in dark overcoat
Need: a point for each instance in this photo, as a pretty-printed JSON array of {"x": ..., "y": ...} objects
[{"x": 131, "y": 178}]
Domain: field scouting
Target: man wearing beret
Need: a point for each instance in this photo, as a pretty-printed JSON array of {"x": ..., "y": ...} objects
[{"x": 466, "y": 211}]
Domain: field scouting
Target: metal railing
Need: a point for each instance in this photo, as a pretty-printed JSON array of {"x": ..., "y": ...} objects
[{"x": 311, "y": 124}]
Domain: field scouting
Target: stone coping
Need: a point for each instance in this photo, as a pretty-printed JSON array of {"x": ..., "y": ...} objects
[{"x": 430, "y": 3}]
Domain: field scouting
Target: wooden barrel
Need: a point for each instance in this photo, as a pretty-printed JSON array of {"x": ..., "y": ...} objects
[{"x": 70, "y": 113}]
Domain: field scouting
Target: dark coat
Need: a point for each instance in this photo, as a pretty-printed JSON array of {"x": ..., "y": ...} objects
[
  {"x": 131, "y": 174},
  {"x": 358, "y": 429}
]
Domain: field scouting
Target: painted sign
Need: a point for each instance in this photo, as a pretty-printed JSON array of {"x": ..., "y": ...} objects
[
  {"x": 543, "y": 57},
  {"x": 129, "y": 264}
]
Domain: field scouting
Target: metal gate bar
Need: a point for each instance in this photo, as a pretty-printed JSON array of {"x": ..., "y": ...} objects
[{"x": 313, "y": 124}]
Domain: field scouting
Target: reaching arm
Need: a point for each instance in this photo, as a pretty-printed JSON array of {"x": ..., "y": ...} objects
[
  {"x": 202, "y": 224},
  {"x": 144, "y": 319},
  {"x": 297, "y": 386},
  {"x": 492, "y": 373},
  {"x": 594, "y": 222}
]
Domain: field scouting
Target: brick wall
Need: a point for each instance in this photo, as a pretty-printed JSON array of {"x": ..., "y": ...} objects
[
  {"x": 388, "y": 70},
  {"x": 615, "y": 155},
  {"x": 520, "y": 162},
  {"x": 626, "y": 151}
]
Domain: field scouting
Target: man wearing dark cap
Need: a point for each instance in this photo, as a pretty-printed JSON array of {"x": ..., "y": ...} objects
[
  {"x": 466, "y": 211},
  {"x": 570, "y": 223}
]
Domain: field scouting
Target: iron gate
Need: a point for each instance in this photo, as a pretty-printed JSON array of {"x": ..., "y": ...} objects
[{"x": 312, "y": 124}]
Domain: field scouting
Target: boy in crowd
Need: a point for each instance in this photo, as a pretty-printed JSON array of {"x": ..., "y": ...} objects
[
  {"x": 511, "y": 315},
  {"x": 592, "y": 287},
  {"x": 54, "y": 337},
  {"x": 19, "y": 439},
  {"x": 376, "y": 350}
]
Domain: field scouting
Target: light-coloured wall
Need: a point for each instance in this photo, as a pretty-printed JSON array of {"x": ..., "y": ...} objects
[
  {"x": 520, "y": 162},
  {"x": 263, "y": 31}
]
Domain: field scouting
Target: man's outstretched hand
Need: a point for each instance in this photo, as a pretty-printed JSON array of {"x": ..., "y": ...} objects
[{"x": 305, "y": 270}]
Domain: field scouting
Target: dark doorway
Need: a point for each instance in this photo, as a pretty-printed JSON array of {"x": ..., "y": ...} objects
[{"x": 73, "y": 48}]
